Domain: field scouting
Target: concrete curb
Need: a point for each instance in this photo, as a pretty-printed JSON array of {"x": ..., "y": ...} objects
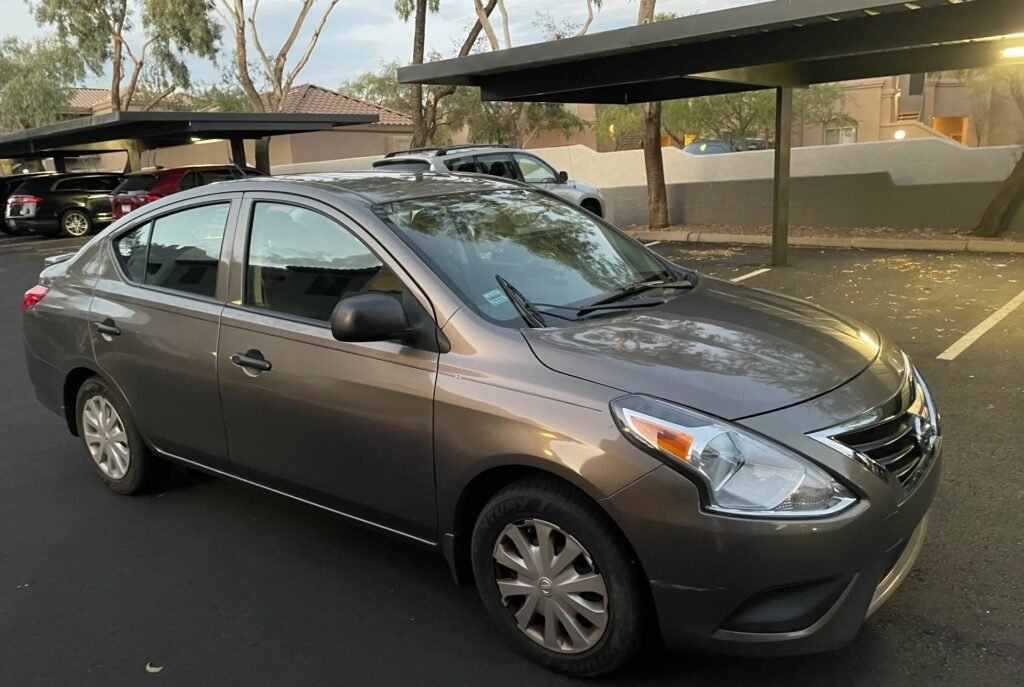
[{"x": 941, "y": 245}]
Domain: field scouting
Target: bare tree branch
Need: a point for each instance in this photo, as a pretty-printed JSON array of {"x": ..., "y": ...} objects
[
  {"x": 159, "y": 97},
  {"x": 483, "y": 18},
  {"x": 312, "y": 44},
  {"x": 282, "y": 54},
  {"x": 504, "y": 24}
]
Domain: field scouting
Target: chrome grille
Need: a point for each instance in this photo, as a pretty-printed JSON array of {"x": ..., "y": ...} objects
[{"x": 900, "y": 439}]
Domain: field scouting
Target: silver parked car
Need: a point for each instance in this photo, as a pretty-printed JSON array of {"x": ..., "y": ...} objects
[
  {"x": 603, "y": 441},
  {"x": 496, "y": 161}
]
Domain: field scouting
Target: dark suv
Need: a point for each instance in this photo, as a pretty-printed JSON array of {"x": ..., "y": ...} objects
[
  {"x": 8, "y": 185},
  {"x": 141, "y": 188},
  {"x": 67, "y": 204}
]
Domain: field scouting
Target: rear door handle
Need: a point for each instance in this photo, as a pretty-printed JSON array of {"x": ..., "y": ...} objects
[
  {"x": 107, "y": 328},
  {"x": 252, "y": 360}
]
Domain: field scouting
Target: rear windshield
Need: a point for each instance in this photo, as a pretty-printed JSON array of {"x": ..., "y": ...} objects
[
  {"x": 37, "y": 185},
  {"x": 137, "y": 182},
  {"x": 402, "y": 165}
]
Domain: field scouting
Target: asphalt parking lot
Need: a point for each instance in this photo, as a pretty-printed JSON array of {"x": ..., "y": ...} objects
[{"x": 221, "y": 584}]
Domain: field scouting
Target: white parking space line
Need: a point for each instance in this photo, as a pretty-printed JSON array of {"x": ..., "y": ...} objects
[
  {"x": 652, "y": 243},
  {"x": 744, "y": 277},
  {"x": 991, "y": 321}
]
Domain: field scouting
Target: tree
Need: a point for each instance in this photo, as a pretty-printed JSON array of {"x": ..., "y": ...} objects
[
  {"x": 381, "y": 87},
  {"x": 517, "y": 122},
  {"x": 1005, "y": 83},
  {"x": 405, "y": 9},
  {"x": 34, "y": 81},
  {"x": 657, "y": 197},
  {"x": 823, "y": 105},
  {"x": 488, "y": 121},
  {"x": 241, "y": 18},
  {"x": 99, "y": 30}
]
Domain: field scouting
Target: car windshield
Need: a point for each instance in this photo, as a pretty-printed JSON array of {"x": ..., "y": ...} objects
[{"x": 555, "y": 254}]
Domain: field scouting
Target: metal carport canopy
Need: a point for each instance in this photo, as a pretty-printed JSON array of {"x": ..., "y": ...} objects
[
  {"x": 150, "y": 130},
  {"x": 780, "y": 44}
]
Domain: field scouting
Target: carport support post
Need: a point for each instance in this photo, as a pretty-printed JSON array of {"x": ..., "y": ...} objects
[
  {"x": 780, "y": 200},
  {"x": 238, "y": 152}
]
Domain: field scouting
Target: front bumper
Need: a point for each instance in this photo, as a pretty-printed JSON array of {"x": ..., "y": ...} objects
[{"x": 767, "y": 587}]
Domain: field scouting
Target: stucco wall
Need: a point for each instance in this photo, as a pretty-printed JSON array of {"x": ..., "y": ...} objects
[{"x": 902, "y": 184}]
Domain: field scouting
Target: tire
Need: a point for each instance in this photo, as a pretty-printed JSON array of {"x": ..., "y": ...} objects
[
  {"x": 537, "y": 507},
  {"x": 75, "y": 223},
  {"x": 592, "y": 206},
  {"x": 121, "y": 458}
]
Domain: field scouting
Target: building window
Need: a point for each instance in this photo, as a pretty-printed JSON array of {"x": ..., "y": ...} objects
[{"x": 843, "y": 134}]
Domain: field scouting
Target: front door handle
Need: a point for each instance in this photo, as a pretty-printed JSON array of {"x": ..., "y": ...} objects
[
  {"x": 252, "y": 360},
  {"x": 107, "y": 327}
]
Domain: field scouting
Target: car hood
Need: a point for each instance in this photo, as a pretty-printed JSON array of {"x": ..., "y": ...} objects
[{"x": 722, "y": 348}]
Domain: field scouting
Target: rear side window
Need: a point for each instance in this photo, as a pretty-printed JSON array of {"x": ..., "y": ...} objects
[
  {"x": 137, "y": 182},
  {"x": 302, "y": 263},
  {"x": 180, "y": 251},
  {"x": 209, "y": 176},
  {"x": 131, "y": 249},
  {"x": 461, "y": 164},
  {"x": 499, "y": 165}
]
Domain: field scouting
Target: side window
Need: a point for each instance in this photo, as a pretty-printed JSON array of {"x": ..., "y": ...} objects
[
  {"x": 187, "y": 181},
  {"x": 107, "y": 183},
  {"x": 209, "y": 176},
  {"x": 67, "y": 185},
  {"x": 184, "y": 249},
  {"x": 131, "y": 249},
  {"x": 461, "y": 164},
  {"x": 302, "y": 263},
  {"x": 497, "y": 165},
  {"x": 534, "y": 171}
]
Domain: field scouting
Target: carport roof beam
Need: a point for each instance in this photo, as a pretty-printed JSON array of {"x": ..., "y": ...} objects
[{"x": 163, "y": 129}]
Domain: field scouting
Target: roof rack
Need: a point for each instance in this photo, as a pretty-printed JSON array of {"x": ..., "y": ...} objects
[{"x": 443, "y": 150}]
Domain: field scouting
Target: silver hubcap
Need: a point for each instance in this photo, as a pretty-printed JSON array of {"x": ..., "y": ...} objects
[
  {"x": 549, "y": 583},
  {"x": 105, "y": 436},
  {"x": 76, "y": 224}
]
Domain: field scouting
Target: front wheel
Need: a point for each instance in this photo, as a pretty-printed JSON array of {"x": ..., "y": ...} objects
[
  {"x": 75, "y": 223},
  {"x": 558, "y": 578}
]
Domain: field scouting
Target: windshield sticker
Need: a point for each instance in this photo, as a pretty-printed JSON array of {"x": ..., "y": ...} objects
[{"x": 496, "y": 297}]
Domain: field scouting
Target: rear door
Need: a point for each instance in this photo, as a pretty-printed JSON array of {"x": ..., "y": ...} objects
[
  {"x": 154, "y": 323},
  {"x": 98, "y": 192},
  {"x": 497, "y": 165},
  {"x": 350, "y": 425}
]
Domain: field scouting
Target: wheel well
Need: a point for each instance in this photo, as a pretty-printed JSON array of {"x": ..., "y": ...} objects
[
  {"x": 471, "y": 502},
  {"x": 592, "y": 205},
  {"x": 74, "y": 381}
]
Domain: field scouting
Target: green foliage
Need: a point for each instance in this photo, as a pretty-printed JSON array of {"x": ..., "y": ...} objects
[
  {"x": 380, "y": 87},
  {"x": 98, "y": 29},
  {"x": 749, "y": 114},
  {"x": 405, "y": 8},
  {"x": 34, "y": 81},
  {"x": 505, "y": 123}
]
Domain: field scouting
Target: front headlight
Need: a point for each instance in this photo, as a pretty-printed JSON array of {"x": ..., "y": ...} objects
[{"x": 744, "y": 474}]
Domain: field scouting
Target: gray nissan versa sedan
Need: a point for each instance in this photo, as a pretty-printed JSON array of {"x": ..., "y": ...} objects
[{"x": 607, "y": 443}]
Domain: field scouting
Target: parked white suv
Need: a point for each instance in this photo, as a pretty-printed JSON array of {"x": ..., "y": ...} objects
[{"x": 498, "y": 161}]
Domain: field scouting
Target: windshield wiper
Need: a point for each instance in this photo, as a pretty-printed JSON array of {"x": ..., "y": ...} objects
[
  {"x": 522, "y": 304},
  {"x": 632, "y": 290}
]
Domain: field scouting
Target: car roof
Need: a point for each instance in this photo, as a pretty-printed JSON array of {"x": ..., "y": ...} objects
[
  {"x": 167, "y": 171},
  {"x": 442, "y": 151},
  {"x": 375, "y": 187}
]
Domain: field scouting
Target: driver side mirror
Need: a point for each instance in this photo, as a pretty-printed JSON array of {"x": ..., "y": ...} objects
[
  {"x": 563, "y": 177},
  {"x": 369, "y": 317}
]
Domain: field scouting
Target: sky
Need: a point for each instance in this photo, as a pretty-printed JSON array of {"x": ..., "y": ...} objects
[{"x": 361, "y": 34}]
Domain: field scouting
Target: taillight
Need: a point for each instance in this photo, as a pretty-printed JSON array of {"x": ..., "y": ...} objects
[
  {"x": 33, "y": 296},
  {"x": 23, "y": 200},
  {"x": 126, "y": 203}
]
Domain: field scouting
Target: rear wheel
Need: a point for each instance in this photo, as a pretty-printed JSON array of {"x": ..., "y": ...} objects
[
  {"x": 558, "y": 578},
  {"x": 119, "y": 454},
  {"x": 75, "y": 223}
]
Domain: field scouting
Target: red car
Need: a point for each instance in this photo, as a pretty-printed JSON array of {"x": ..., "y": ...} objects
[{"x": 140, "y": 188}]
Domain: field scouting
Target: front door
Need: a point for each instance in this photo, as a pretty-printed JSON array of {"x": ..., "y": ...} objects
[
  {"x": 347, "y": 425},
  {"x": 154, "y": 322}
]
